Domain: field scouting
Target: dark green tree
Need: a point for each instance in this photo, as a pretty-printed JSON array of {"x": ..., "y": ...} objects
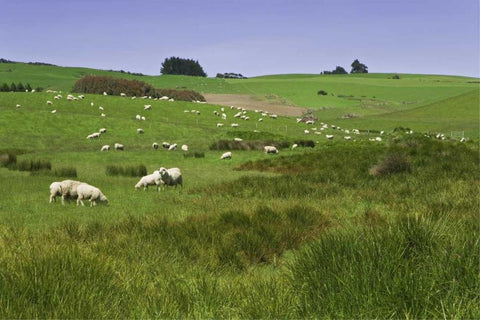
[
  {"x": 188, "y": 67},
  {"x": 358, "y": 67},
  {"x": 20, "y": 87},
  {"x": 13, "y": 87},
  {"x": 28, "y": 87},
  {"x": 4, "y": 87},
  {"x": 339, "y": 70}
]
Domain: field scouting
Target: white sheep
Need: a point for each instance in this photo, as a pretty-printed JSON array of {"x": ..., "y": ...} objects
[
  {"x": 165, "y": 145},
  {"x": 122, "y": 94},
  {"x": 50, "y": 103},
  {"x": 155, "y": 145},
  {"x": 147, "y": 107},
  {"x": 105, "y": 148},
  {"x": 149, "y": 180},
  {"x": 93, "y": 135},
  {"x": 55, "y": 190},
  {"x": 219, "y": 125},
  {"x": 93, "y": 194},
  {"x": 138, "y": 117},
  {"x": 184, "y": 147},
  {"x": 103, "y": 115},
  {"x": 140, "y": 130},
  {"x": 294, "y": 146},
  {"x": 171, "y": 177},
  {"x": 69, "y": 189},
  {"x": 172, "y": 147},
  {"x": 143, "y": 118},
  {"x": 234, "y": 125},
  {"x": 18, "y": 106},
  {"x": 54, "y": 111},
  {"x": 329, "y": 136},
  {"x": 119, "y": 146},
  {"x": 102, "y": 130},
  {"x": 270, "y": 149},
  {"x": 226, "y": 155}
]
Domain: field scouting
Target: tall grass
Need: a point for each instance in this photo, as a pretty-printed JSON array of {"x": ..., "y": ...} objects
[{"x": 128, "y": 171}]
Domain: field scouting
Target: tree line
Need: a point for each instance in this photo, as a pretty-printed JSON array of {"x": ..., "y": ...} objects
[
  {"x": 357, "y": 67},
  {"x": 19, "y": 87}
]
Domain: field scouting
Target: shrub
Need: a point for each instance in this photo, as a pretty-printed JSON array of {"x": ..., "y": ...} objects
[
  {"x": 393, "y": 163},
  {"x": 181, "y": 95},
  {"x": 322, "y": 92},
  {"x": 194, "y": 154},
  {"x": 305, "y": 143},
  {"x": 112, "y": 86}
]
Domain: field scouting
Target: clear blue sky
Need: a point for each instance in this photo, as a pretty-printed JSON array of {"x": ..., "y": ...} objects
[{"x": 252, "y": 37}]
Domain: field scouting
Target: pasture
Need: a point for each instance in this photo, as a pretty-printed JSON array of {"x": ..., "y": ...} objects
[{"x": 349, "y": 228}]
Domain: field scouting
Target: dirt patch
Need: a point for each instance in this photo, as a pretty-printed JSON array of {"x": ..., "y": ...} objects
[{"x": 250, "y": 102}]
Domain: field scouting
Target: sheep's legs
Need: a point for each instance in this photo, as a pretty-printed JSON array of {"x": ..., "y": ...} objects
[{"x": 80, "y": 201}]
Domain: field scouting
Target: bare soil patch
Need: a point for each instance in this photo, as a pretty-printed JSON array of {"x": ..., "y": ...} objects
[{"x": 250, "y": 102}]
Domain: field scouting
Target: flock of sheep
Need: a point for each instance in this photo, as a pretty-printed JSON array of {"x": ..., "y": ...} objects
[{"x": 72, "y": 189}]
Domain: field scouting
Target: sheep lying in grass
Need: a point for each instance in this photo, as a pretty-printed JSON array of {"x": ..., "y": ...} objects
[
  {"x": 149, "y": 180},
  {"x": 55, "y": 190},
  {"x": 69, "y": 189},
  {"x": 93, "y": 194},
  {"x": 171, "y": 177}
]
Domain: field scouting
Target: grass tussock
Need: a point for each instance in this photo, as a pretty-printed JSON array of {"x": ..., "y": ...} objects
[
  {"x": 194, "y": 154},
  {"x": 127, "y": 171},
  {"x": 247, "y": 145}
]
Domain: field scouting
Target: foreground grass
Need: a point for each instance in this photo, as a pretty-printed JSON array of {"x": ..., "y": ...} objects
[{"x": 317, "y": 236}]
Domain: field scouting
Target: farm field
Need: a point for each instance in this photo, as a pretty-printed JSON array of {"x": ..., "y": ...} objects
[{"x": 348, "y": 229}]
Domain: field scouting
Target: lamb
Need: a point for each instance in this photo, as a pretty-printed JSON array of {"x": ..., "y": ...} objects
[
  {"x": 93, "y": 194},
  {"x": 55, "y": 190},
  {"x": 149, "y": 180},
  {"x": 226, "y": 155},
  {"x": 119, "y": 146},
  {"x": 270, "y": 149},
  {"x": 171, "y": 177},
  {"x": 69, "y": 189},
  {"x": 105, "y": 148}
]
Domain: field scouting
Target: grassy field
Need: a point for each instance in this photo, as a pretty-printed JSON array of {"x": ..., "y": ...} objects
[{"x": 347, "y": 229}]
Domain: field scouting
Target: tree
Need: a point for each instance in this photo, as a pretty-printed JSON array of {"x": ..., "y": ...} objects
[
  {"x": 176, "y": 65},
  {"x": 358, "y": 67}
]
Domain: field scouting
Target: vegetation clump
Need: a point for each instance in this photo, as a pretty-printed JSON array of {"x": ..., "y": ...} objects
[
  {"x": 128, "y": 171},
  {"x": 181, "y": 66}
]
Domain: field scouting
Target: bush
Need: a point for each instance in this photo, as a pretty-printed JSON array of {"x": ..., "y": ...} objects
[
  {"x": 247, "y": 145},
  {"x": 322, "y": 92},
  {"x": 128, "y": 171},
  {"x": 180, "y": 95},
  {"x": 188, "y": 67},
  {"x": 392, "y": 163},
  {"x": 305, "y": 143},
  {"x": 194, "y": 154},
  {"x": 112, "y": 86}
]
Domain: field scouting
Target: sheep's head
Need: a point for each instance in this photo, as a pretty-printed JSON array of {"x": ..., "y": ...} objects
[{"x": 103, "y": 199}]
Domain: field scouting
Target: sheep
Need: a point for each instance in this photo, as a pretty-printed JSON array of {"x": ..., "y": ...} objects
[
  {"x": 140, "y": 130},
  {"x": 226, "y": 155},
  {"x": 347, "y": 138},
  {"x": 92, "y": 104},
  {"x": 147, "y": 107},
  {"x": 309, "y": 122},
  {"x": 69, "y": 189},
  {"x": 103, "y": 115},
  {"x": 122, "y": 94},
  {"x": 55, "y": 190},
  {"x": 93, "y": 194},
  {"x": 163, "y": 98},
  {"x": 155, "y": 145},
  {"x": 143, "y": 118},
  {"x": 463, "y": 139},
  {"x": 224, "y": 116},
  {"x": 270, "y": 149},
  {"x": 102, "y": 130},
  {"x": 306, "y": 131},
  {"x": 105, "y": 148},
  {"x": 172, "y": 147},
  {"x": 184, "y": 147},
  {"x": 18, "y": 106},
  {"x": 165, "y": 145},
  {"x": 329, "y": 136},
  {"x": 104, "y": 93},
  {"x": 101, "y": 108},
  {"x": 54, "y": 111},
  {"x": 50, "y": 103},
  {"x": 294, "y": 146},
  {"x": 138, "y": 117},
  {"x": 219, "y": 125},
  {"x": 234, "y": 125},
  {"x": 237, "y": 139},
  {"x": 93, "y": 135},
  {"x": 149, "y": 180},
  {"x": 119, "y": 146},
  {"x": 171, "y": 177}
]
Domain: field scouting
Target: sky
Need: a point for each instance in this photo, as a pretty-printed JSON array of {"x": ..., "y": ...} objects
[{"x": 251, "y": 37}]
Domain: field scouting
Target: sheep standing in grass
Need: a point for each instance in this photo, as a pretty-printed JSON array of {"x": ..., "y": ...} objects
[
  {"x": 93, "y": 194},
  {"x": 155, "y": 145},
  {"x": 270, "y": 149},
  {"x": 105, "y": 148},
  {"x": 149, "y": 180},
  {"x": 69, "y": 189},
  {"x": 119, "y": 146},
  {"x": 171, "y": 177},
  {"x": 226, "y": 155},
  {"x": 55, "y": 190}
]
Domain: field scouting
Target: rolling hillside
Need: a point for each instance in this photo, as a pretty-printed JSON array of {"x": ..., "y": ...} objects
[{"x": 352, "y": 100}]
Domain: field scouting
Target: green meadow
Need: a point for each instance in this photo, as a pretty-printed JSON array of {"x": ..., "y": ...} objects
[{"x": 347, "y": 229}]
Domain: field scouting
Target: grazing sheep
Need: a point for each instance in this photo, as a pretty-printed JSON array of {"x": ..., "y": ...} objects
[
  {"x": 237, "y": 139},
  {"x": 234, "y": 125},
  {"x": 149, "y": 180},
  {"x": 93, "y": 194},
  {"x": 270, "y": 149},
  {"x": 226, "y": 155},
  {"x": 294, "y": 146},
  {"x": 54, "y": 111},
  {"x": 119, "y": 146},
  {"x": 55, "y": 190},
  {"x": 347, "y": 138},
  {"x": 163, "y": 98},
  {"x": 100, "y": 108},
  {"x": 103, "y": 115},
  {"x": 102, "y": 130},
  {"x": 184, "y": 147},
  {"x": 171, "y": 177},
  {"x": 155, "y": 145},
  {"x": 69, "y": 189},
  {"x": 18, "y": 106},
  {"x": 147, "y": 107},
  {"x": 93, "y": 135},
  {"x": 165, "y": 145},
  {"x": 306, "y": 131},
  {"x": 138, "y": 117},
  {"x": 329, "y": 136},
  {"x": 105, "y": 148},
  {"x": 224, "y": 116},
  {"x": 219, "y": 125},
  {"x": 139, "y": 130},
  {"x": 122, "y": 94},
  {"x": 50, "y": 103},
  {"x": 143, "y": 118},
  {"x": 463, "y": 139},
  {"x": 172, "y": 147}
]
